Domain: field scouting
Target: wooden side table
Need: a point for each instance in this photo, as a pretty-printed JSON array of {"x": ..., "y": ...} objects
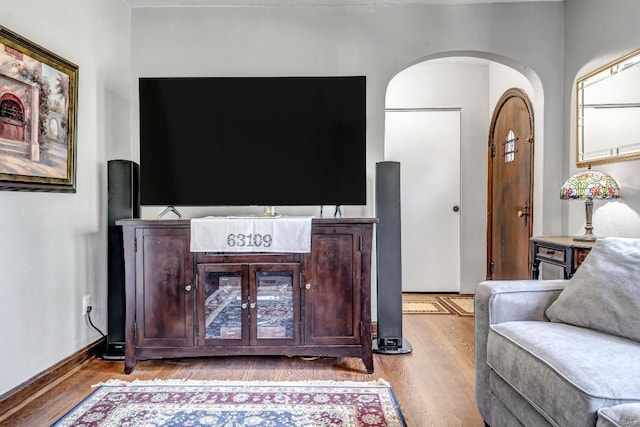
[{"x": 562, "y": 251}]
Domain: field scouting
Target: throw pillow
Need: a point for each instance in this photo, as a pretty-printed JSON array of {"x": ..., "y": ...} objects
[{"x": 604, "y": 293}]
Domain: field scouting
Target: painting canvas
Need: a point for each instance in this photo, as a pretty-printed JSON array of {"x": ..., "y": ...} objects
[{"x": 38, "y": 97}]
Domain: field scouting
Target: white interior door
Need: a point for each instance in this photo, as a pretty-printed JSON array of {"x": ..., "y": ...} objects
[{"x": 426, "y": 142}]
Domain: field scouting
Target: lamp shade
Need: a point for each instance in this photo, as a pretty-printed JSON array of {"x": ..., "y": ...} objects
[{"x": 590, "y": 184}]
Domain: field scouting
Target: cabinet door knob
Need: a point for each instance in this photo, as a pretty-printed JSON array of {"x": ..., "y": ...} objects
[
  {"x": 252, "y": 305},
  {"x": 244, "y": 305},
  {"x": 187, "y": 288},
  {"x": 307, "y": 286}
]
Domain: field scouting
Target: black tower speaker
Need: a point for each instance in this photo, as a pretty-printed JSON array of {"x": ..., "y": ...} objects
[
  {"x": 389, "y": 261},
  {"x": 124, "y": 202}
]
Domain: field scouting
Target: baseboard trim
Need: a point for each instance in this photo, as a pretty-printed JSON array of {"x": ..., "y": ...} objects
[{"x": 35, "y": 385}]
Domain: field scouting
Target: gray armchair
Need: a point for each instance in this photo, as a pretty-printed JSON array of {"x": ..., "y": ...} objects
[
  {"x": 506, "y": 301},
  {"x": 533, "y": 372}
]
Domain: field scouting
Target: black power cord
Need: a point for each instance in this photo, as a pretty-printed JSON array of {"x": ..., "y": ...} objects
[
  {"x": 103, "y": 345},
  {"x": 89, "y": 308}
]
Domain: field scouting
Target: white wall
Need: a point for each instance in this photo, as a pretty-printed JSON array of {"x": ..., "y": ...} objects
[
  {"x": 376, "y": 41},
  {"x": 53, "y": 245},
  {"x": 597, "y": 32}
]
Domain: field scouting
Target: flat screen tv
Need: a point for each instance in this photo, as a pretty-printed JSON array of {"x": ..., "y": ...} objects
[{"x": 263, "y": 141}]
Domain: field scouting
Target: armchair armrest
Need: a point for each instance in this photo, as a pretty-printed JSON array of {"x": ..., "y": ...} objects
[
  {"x": 511, "y": 300},
  {"x": 504, "y": 301}
]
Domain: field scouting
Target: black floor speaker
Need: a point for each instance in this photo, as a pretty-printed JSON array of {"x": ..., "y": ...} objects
[
  {"x": 124, "y": 202},
  {"x": 389, "y": 261}
]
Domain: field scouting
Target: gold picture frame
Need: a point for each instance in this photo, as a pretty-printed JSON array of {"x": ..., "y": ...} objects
[{"x": 38, "y": 108}]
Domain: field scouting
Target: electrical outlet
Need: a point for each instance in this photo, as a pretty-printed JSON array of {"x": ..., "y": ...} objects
[{"x": 86, "y": 302}]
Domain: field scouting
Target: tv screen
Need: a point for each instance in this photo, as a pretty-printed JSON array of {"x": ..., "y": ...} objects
[{"x": 236, "y": 141}]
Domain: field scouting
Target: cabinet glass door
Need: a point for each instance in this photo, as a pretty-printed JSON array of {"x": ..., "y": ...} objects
[
  {"x": 223, "y": 304},
  {"x": 275, "y": 307}
]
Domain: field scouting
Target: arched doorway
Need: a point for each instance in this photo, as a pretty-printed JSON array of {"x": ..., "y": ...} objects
[
  {"x": 12, "y": 118},
  {"x": 472, "y": 85}
]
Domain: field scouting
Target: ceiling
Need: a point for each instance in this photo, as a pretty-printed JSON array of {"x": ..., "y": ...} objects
[{"x": 152, "y": 3}]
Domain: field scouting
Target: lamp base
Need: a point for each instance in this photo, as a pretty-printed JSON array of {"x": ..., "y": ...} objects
[
  {"x": 585, "y": 238},
  {"x": 588, "y": 235}
]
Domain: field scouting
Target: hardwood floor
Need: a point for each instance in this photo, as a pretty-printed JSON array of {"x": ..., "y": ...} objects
[{"x": 434, "y": 384}]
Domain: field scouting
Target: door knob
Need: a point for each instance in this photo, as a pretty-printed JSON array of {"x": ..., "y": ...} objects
[
  {"x": 187, "y": 288},
  {"x": 456, "y": 208},
  {"x": 525, "y": 210}
]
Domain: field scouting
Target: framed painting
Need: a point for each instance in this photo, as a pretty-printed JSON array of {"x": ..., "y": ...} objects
[{"x": 38, "y": 103}]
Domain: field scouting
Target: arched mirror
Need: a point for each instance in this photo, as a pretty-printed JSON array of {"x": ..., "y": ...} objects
[{"x": 608, "y": 112}]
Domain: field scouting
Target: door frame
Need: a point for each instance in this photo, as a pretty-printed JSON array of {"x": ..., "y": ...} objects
[
  {"x": 508, "y": 94},
  {"x": 456, "y": 202}
]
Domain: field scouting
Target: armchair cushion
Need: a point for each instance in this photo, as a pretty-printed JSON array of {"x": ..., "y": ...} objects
[
  {"x": 619, "y": 416},
  {"x": 566, "y": 372},
  {"x": 604, "y": 293}
]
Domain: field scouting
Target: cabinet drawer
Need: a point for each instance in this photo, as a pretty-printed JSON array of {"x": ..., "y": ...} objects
[{"x": 547, "y": 252}]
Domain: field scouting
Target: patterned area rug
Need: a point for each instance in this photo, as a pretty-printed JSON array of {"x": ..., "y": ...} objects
[
  {"x": 416, "y": 303},
  {"x": 462, "y": 305},
  {"x": 235, "y": 404},
  {"x": 422, "y": 305}
]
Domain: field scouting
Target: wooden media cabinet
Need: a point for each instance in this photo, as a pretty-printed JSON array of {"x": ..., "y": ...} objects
[{"x": 185, "y": 304}]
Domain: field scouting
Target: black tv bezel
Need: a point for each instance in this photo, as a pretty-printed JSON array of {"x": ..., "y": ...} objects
[{"x": 357, "y": 198}]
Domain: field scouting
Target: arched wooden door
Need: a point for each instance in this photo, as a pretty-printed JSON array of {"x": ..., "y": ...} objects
[{"x": 510, "y": 192}]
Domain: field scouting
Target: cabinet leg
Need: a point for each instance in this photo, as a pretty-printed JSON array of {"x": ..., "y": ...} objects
[
  {"x": 368, "y": 363},
  {"x": 129, "y": 365}
]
